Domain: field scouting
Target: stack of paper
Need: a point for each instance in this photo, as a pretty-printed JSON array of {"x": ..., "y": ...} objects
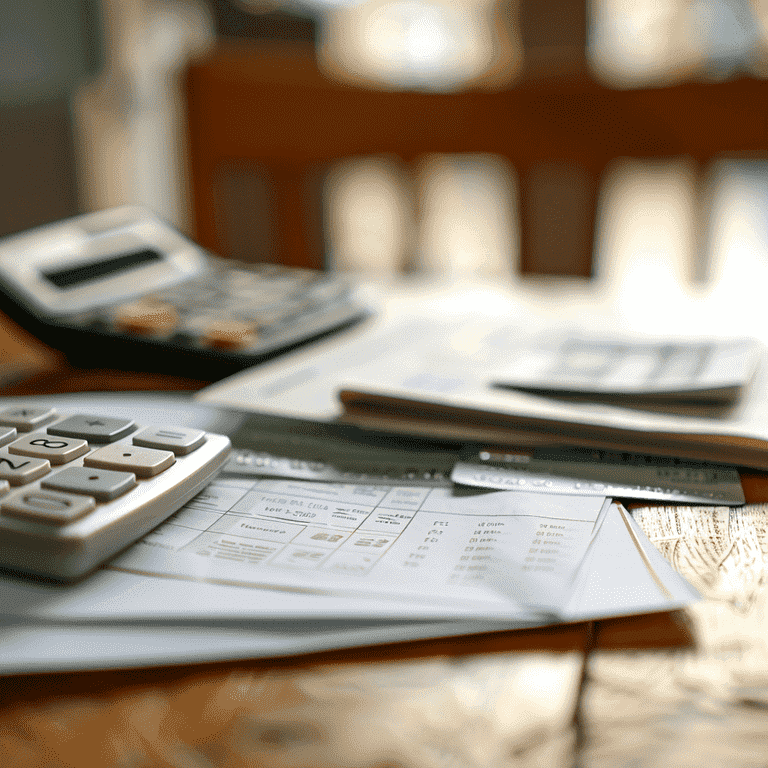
[
  {"x": 261, "y": 566},
  {"x": 470, "y": 375}
]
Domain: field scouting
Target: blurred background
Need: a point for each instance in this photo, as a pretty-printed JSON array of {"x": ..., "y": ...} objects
[{"x": 619, "y": 140}]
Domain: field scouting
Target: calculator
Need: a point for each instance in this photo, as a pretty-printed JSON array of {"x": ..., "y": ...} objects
[
  {"x": 76, "y": 488},
  {"x": 121, "y": 288}
]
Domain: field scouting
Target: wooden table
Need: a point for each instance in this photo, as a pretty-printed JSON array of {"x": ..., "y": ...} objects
[{"x": 544, "y": 698}]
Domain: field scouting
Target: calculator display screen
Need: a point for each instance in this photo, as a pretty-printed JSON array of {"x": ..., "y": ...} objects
[{"x": 73, "y": 276}]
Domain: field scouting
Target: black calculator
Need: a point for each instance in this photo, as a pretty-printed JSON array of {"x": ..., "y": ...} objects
[{"x": 120, "y": 288}]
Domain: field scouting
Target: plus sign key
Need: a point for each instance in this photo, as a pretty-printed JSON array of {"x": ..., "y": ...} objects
[{"x": 94, "y": 429}]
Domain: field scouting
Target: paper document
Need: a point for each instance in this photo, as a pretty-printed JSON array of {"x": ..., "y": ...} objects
[
  {"x": 436, "y": 544},
  {"x": 305, "y": 384},
  {"x": 628, "y": 369},
  {"x": 431, "y": 372},
  {"x": 615, "y": 579},
  {"x": 356, "y": 457},
  {"x": 117, "y": 619}
]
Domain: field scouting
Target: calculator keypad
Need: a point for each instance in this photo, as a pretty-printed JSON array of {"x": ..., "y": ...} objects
[
  {"x": 232, "y": 308},
  {"x": 80, "y": 488},
  {"x": 146, "y": 318}
]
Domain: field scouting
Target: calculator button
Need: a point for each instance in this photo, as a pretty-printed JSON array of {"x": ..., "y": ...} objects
[
  {"x": 229, "y": 334},
  {"x": 104, "y": 484},
  {"x": 146, "y": 318},
  {"x": 7, "y": 434},
  {"x": 5, "y": 486},
  {"x": 58, "y": 450},
  {"x": 18, "y": 470},
  {"x": 143, "y": 462},
  {"x": 96, "y": 429},
  {"x": 48, "y": 506},
  {"x": 177, "y": 439},
  {"x": 27, "y": 419}
]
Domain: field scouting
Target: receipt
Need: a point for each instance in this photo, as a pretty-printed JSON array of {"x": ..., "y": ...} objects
[{"x": 438, "y": 544}]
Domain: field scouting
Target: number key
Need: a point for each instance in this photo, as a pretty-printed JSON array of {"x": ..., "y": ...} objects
[
  {"x": 18, "y": 470},
  {"x": 58, "y": 450},
  {"x": 51, "y": 507}
]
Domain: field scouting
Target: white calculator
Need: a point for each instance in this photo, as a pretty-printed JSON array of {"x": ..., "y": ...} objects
[{"x": 76, "y": 488}]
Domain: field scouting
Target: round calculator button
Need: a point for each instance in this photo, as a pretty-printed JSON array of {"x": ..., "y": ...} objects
[{"x": 52, "y": 507}]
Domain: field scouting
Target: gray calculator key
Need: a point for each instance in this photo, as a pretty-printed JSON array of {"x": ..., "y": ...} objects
[
  {"x": 58, "y": 450},
  {"x": 104, "y": 484},
  {"x": 95, "y": 429},
  {"x": 27, "y": 419},
  {"x": 177, "y": 439},
  {"x": 19, "y": 470},
  {"x": 44, "y": 506},
  {"x": 144, "y": 462}
]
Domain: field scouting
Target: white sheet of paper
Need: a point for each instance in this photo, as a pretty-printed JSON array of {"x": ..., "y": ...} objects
[
  {"x": 117, "y": 619},
  {"x": 434, "y": 544}
]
